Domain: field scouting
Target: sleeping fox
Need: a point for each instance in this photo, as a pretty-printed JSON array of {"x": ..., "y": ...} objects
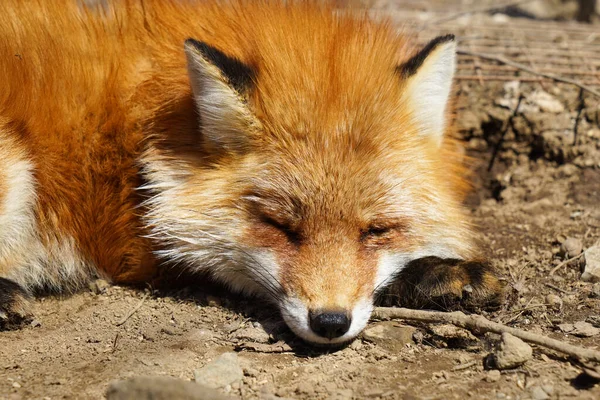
[{"x": 287, "y": 149}]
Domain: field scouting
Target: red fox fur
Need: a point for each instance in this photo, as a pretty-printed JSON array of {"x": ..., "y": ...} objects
[{"x": 287, "y": 148}]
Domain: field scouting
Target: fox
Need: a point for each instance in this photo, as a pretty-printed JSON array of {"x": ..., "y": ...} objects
[{"x": 290, "y": 150}]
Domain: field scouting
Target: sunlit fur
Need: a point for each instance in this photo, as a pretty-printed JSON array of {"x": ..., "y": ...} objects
[{"x": 115, "y": 179}]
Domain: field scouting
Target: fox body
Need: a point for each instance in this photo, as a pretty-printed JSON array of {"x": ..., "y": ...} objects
[{"x": 287, "y": 149}]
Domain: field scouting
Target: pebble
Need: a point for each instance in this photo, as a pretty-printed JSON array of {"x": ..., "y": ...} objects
[
  {"x": 591, "y": 272},
  {"x": 35, "y": 323},
  {"x": 546, "y": 102},
  {"x": 566, "y": 328},
  {"x": 418, "y": 337},
  {"x": 537, "y": 393},
  {"x": 512, "y": 352},
  {"x": 251, "y": 372},
  {"x": 223, "y": 371},
  {"x": 571, "y": 247},
  {"x": 252, "y": 334},
  {"x": 584, "y": 329},
  {"x": 389, "y": 334},
  {"x": 16, "y": 385},
  {"x": 356, "y": 345},
  {"x": 161, "y": 388},
  {"x": 595, "y": 292},
  {"x": 554, "y": 301},
  {"x": 493, "y": 376},
  {"x": 449, "y": 331}
]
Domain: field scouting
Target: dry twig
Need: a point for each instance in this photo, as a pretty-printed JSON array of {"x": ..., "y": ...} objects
[
  {"x": 580, "y": 108},
  {"x": 510, "y": 124},
  {"x": 525, "y": 68},
  {"x": 484, "y": 9},
  {"x": 464, "y": 366},
  {"x": 551, "y": 286},
  {"x": 133, "y": 311},
  {"x": 562, "y": 264},
  {"x": 480, "y": 324}
]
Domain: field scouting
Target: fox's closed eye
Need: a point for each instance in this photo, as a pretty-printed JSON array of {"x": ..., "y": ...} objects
[
  {"x": 375, "y": 234},
  {"x": 376, "y": 231},
  {"x": 288, "y": 230}
]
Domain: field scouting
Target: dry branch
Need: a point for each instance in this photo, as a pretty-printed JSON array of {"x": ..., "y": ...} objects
[
  {"x": 562, "y": 264},
  {"x": 525, "y": 68},
  {"x": 483, "y": 9},
  {"x": 133, "y": 311},
  {"x": 480, "y": 324}
]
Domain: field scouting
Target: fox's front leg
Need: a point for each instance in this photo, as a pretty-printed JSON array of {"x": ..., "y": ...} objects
[
  {"x": 434, "y": 282},
  {"x": 14, "y": 302}
]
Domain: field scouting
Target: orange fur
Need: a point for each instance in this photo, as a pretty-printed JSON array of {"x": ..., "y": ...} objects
[{"x": 94, "y": 95}]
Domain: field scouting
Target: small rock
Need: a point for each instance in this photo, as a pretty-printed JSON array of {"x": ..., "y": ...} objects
[
  {"x": 223, "y": 371},
  {"x": 161, "y": 388},
  {"x": 356, "y": 345},
  {"x": 584, "y": 329},
  {"x": 566, "y": 328},
  {"x": 595, "y": 292},
  {"x": 554, "y": 301},
  {"x": 537, "y": 393},
  {"x": 251, "y": 372},
  {"x": 571, "y": 247},
  {"x": 418, "y": 337},
  {"x": 16, "y": 385},
  {"x": 594, "y": 320},
  {"x": 213, "y": 301},
  {"x": 591, "y": 272},
  {"x": 549, "y": 389},
  {"x": 546, "y": 102},
  {"x": 252, "y": 334},
  {"x": 35, "y": 323},
  {"x": 389, "y": 334},
  {"x": 512, "y": 352},
  {"x": 449, "y": 331},
  {"x": 493, "y": 376}
]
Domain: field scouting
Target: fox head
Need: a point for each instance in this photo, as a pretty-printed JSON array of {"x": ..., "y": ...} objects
[{"x": 321, "y": 170}]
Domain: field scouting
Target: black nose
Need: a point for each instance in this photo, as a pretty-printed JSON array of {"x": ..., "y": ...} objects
[{"x": 329, "y": 324}]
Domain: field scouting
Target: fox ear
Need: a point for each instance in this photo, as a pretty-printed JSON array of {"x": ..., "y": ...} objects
[
  {"x": 218, "y": 83},
  {"x": 428, "y": 76}
]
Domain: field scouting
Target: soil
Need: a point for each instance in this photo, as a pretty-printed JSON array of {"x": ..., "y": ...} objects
[{"x": 543, "y": 186}]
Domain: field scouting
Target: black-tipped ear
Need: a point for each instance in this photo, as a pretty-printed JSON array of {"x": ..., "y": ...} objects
[
  {"x": 238, "y": 74},
  {"x": 410, "y": 67},
  {"x": 219, "y": 83},
  {"x": 428, "y": 75}
]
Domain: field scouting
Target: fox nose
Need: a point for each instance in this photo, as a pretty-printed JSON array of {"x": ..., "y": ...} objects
[{"x": 329, "y": 324}]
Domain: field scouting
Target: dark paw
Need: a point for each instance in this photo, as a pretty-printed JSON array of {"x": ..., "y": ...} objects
[
  {"x": 14, "y": 302},
  {"x": 446, "y": 284}
]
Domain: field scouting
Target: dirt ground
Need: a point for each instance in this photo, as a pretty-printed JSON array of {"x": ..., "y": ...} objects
[{"x": 543, "y": 186}]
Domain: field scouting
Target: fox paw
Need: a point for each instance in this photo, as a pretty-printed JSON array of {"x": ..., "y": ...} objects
[
  {"x": 14, "y": 304},
  {"x": 446, "y": 284}
]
